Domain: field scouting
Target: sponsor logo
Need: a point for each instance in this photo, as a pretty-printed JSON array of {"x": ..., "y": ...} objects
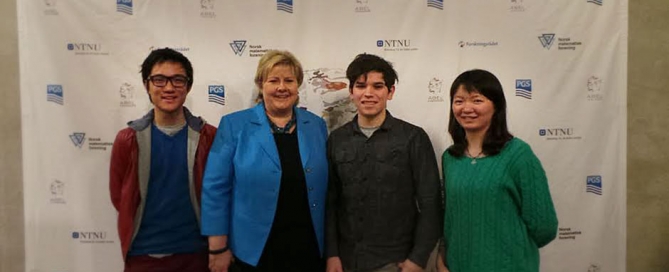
[
  {"x": 285, "y": 5},
  {"x": 78, "y": 139},
  {"x": 86, "y": 49},
  {"x": 434, "y": 90},
  {"x": 255, "y": 50},
  {"x": 217, "y": 94},
  {"x": 91, "y": 237},
  {"x": 127, "y": 94},
  {"x": 438, "y": 4},
  {"x": 124, "y": 6},
  {"x": 568, "y": 233},
  {"x": 594, "y": 268},
  {"x": 238, "y": 46},
  {"x": 175, "y": 48},
  {"x": 547, "y": 40},
  {"x": 595, "y": 89},
  {"x": 50, "y": 7},
  {"x": 559, "y": 134},
  {"x": 524, "y": 88},
  {"x": 94, "y": 143},
  {"x": 593, "y": 185},
  {"x": 54, "y": 93},
  {"x": 57, "y": 188},
  {"x": 564, "y": 43},
  {"x": 596, "y": 2},
  {"x": 395, "y": 45},
  {"x": 361, "y": 6},
  {"x": 207, "y": 9},
  {"x": 517, "y": 6},
  {"x": 463, "y": 44}
]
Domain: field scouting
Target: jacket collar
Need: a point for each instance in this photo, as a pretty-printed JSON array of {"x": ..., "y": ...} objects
[{"x": 194, "y": 122}]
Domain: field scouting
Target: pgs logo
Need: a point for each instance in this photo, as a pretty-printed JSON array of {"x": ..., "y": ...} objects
[
  {"x": 284, "y": 5},
  {"x": 217, "y": 94},
  {"x": 438, "y": 4},
  {"x": 124, "y": 6},
  {"x": 593, "y": 184},
  {"x": 524, "y": 88}
]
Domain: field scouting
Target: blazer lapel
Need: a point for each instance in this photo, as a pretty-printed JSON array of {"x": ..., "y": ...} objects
[
  {"x": 303, "y": 125},
  {"x": 264, "y": 136}
]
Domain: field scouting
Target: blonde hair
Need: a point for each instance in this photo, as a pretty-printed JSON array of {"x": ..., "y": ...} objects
[{"x": 272, "y": 59}]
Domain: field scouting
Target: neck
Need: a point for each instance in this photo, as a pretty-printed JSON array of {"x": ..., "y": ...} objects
[
  {"x": 280, "y": 118},
  {"x": 371, "y": 121},
  {"x": 162, "y": 118},
  {"x": 475, "y": 142}
]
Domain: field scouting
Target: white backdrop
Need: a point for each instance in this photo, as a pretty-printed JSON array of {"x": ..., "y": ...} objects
[{"x": 562, "y": 65}]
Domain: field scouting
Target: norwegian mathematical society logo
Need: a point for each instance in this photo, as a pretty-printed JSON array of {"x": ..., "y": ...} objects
[
  {"x": 124, "y": 6},
  {"x": 547, "y": 40},
  {"x": 217, "y": 94},
  {"x": 78, "y": 139},
  {"x": 594, "y": 185},
  {"x": 54, "y": 93},
  {"x": 238, "y": 46},
  {"x": 524, "y": 88},
  {"x": 284, "y": 5},
  {"x": 438, "y": 4}
]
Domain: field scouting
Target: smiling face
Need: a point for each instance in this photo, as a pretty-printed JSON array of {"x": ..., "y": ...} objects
[
  {"x": 370, "y": 95},
  {"x": 472, "y": 110},
  {"x": 167, "y": 99},
  {"x": 279, "y": 89}
]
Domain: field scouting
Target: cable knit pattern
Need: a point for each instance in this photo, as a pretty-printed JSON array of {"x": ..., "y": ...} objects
[{"x": 499, "y": 211}]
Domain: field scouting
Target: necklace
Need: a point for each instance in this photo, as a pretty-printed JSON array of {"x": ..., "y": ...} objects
[
  {"x": 479, "y": 155},
  {"x": 282, "y": 130}
]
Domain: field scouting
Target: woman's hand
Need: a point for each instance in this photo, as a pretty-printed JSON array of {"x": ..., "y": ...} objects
[{"x": 220, "y": 262}]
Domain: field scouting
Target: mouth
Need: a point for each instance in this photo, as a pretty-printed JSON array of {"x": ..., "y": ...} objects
[
  {"x": 169, "y": 98},
  {"x": 369, "y": 103}
]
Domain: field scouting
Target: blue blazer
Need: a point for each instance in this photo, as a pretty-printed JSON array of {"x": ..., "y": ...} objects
[{"x": 241, "y": 181}]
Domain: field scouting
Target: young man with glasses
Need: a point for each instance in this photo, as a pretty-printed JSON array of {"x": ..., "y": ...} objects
[{"x": 155, "y": 177}]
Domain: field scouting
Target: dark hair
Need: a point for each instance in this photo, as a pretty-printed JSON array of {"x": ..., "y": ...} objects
[
  {"x": 488, "y": 85},
  {"x": 365, "y": 63},
  {"x": 163, "y": 55}
]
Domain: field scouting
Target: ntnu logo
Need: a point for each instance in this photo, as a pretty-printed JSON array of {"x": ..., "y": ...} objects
[
  {"x": 238, "y": 46},
  {"x": 547, "y": 40},
  {"x": 124, "y": 6},
  {"x": 556, "y": 132},
  {"x": 89, "y": 235},
  {"x": 524, "y": 88},
  {"x": 594, "y": 185},
  {"x": 78, "y": 139},
  {"x": 284, "y": 5},
  {"x": 83, "y": 47},
  {"x": 217, "y": 94},
  {"x": 393, "y": 43}
]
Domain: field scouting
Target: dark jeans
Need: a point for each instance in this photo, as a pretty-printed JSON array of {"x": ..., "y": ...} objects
[{"x": 191, "y": 262}]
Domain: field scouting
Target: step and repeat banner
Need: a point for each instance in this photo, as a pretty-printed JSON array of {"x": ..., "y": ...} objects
[{"x": 562, "y": 65}]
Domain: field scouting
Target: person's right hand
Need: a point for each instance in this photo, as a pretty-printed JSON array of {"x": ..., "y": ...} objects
[
  {"x": 334, "y": 265},
  {"x": 220, "y": 262}
]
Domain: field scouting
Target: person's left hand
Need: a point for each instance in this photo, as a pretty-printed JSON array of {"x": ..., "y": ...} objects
[{"x": 409, "y": 266}]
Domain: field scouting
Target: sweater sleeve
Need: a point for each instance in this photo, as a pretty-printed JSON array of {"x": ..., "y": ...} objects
[{"x": 537, "y": 208}]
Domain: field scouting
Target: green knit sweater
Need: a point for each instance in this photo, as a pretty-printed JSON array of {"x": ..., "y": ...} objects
[{"x": 499, "y": 211}]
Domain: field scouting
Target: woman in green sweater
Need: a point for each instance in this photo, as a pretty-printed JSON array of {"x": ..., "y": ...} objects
[{"x": 499, "y": 210}]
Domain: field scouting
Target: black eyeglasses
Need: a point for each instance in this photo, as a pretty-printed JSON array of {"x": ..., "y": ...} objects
[{"x": 161, "y": 80}]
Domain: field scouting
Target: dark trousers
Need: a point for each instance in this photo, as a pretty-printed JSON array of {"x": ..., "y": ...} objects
[{"x": 191, "y": 262}]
